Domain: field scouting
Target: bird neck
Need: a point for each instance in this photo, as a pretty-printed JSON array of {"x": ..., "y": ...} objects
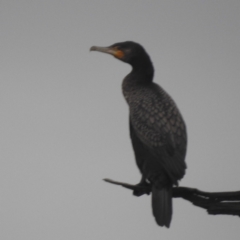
[
  {"x": 138, "y": 78},
  {"x": 142, "y": 72}
]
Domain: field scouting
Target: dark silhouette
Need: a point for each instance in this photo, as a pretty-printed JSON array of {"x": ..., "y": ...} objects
[{"x": 157, "y": 130}]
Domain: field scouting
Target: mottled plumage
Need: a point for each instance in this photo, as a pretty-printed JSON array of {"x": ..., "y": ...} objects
[{"x": 157, "y": 130}]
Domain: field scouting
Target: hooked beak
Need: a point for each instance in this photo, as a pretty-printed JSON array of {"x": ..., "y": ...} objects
[{"x": 110, "y": 50}]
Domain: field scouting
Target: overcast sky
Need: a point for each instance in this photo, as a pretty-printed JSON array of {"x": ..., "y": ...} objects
[{"x": 64, "y": 122}]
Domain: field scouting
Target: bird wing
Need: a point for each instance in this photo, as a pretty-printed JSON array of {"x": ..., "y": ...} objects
[{"x": 158, "y": 125}]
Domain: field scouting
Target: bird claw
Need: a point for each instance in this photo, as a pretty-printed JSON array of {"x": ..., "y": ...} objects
[
  {"x": 138, "y": 193},
  {"x": 138, "y": 189}
]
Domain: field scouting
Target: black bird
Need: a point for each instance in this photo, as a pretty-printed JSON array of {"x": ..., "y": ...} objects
[{"x": 157, "y": 129}]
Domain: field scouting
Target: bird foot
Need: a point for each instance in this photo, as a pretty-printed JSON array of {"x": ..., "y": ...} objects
[
  {"x": 138, "y": 189},
  {"x": 141, "y": 189}
]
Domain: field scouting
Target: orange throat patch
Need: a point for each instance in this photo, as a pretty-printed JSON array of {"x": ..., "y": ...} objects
[{"x": 119, "y": 54}]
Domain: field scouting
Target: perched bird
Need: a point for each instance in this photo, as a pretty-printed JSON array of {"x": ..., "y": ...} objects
[{"x": 157, "y": 129}]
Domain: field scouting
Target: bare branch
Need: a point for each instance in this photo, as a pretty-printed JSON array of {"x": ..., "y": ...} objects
[{"x": 227, "y": 203}]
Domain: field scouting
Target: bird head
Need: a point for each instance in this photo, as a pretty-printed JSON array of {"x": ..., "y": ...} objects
[{"x": 129, "y": 52}]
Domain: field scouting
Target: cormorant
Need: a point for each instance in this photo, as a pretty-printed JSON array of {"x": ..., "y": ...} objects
[{"x": 157, "y": 129}]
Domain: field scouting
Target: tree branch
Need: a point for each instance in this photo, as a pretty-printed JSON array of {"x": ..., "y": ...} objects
[{"x": 227, "y": 203}]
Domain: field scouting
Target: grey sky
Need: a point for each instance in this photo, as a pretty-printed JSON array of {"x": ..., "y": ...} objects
[{"x": 64, "y": 122}]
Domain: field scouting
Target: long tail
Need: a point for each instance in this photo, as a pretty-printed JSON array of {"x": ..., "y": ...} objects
[{"x": 162, "y": 205}]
